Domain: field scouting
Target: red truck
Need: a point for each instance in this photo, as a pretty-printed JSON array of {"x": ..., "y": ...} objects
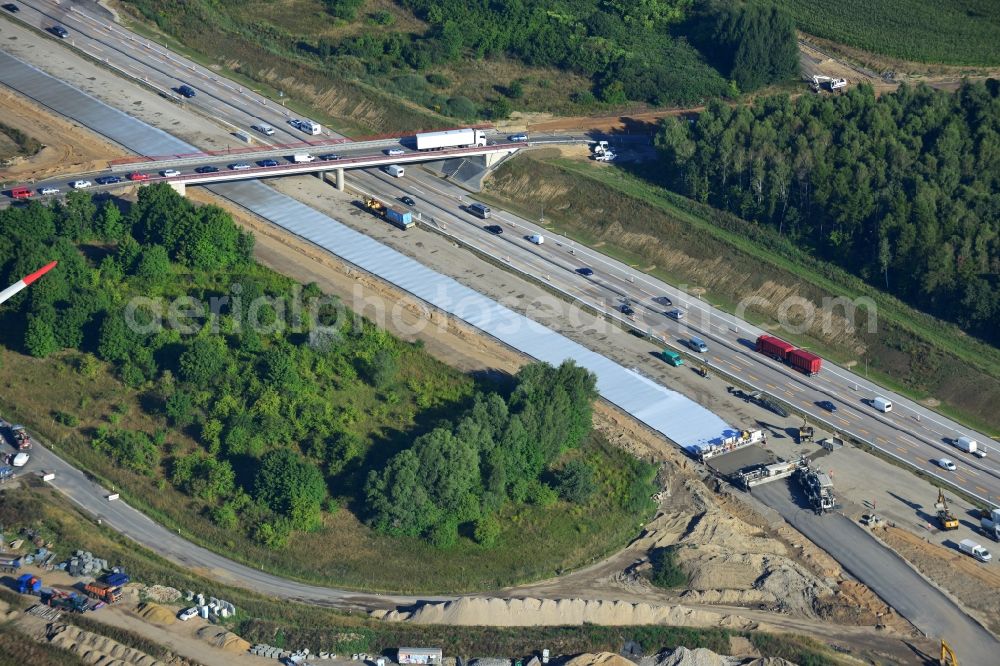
[
  {"x": 804, "y": 361},
  {"x": 773, "y": 347},
  {"x": 20, "y": 193},
  {"x": 799, "y": 359}
]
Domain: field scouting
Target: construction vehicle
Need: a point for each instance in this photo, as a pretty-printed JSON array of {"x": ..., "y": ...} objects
[
  {"x": 72, "y": 602},
  {"x": 397, "y": 217},
  {"x": 948, "y": 656},
  {"x": 820, "y": 82},
  {"x": 818, "y": 487},
  {"x": 109, "y": 594},
  {"x": 806, "y": 433},
  {"x": 989, "y": 520},
  {"x": 22, "y": 441},
  {"x": 945, "y": 517},
  {"x": 117, "y": 579},
  {"x": 703, "y": 371},
  {"x": 29, "y": 584},
  {"x": 602, "y": 152}
]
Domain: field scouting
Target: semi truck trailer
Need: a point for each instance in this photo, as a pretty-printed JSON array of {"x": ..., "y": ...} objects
[{"x": 457, "y": 138}]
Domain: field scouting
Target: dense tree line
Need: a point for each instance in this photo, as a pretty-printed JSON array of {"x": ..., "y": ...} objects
[
  {"x": 464, "y": 472},
  {"x": 278, "y": 403},
  {"x": 903, "y": 189}
]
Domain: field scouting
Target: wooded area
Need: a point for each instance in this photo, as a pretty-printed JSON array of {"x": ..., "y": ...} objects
[
  {"x": 901, "y": 190},
  {"x": 290, "y": 423}
]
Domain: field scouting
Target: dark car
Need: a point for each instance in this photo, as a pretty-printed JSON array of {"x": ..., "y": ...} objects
[
  {"x": 663, "y": 300},
  {"x": 329, "y": 157},
  {"x": 108, "y": 180},
  {"x": 186, "y": 91},
  {"x": 408, "y": 201},
  {"x": 59, "y": 31},
  {"x": 11, "y": 7},
  {"x": 208, "y": 168},
  {"x": 268, "y": 163},
  {"x": 585, "y": 271},
  {"x": 827, "y": 405},
  {"x": 494, "y": 229},
  {"x": 626, "y": 309}
]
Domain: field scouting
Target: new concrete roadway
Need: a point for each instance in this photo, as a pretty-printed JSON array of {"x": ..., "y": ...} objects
[{"x": 911, "y": 433}]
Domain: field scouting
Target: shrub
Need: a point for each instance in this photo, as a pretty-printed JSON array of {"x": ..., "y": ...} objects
[
  {"x": 667, "y": 573},
  {"x": 576, "y": 481}
]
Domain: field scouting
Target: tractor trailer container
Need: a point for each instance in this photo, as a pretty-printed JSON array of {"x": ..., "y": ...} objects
[
  {"x": 804, "y": 361},
  {"x": 774, "y": 347},
  {"x": 457, "y": 138}
]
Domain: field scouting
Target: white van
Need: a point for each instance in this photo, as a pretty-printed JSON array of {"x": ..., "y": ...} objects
[
  {"x": 698, "y": 345},
  {"x": 536, "y": 239},
  {"x": 882, "y": 404},
  {"x": 395, "y": 170},
  {"x": 299, "y": 158}
]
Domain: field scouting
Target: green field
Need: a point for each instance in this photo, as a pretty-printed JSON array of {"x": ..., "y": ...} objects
[{"x": 960, "y": 32}]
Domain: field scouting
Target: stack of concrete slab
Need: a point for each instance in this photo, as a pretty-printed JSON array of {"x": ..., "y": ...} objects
[{"x": 83, "y": 563}]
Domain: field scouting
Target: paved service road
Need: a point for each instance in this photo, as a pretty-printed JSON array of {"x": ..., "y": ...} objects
[
  {"x": 910, "y": 432},
  {"x": 131, "y": 522},
  {"x": 885, "y": 573}
]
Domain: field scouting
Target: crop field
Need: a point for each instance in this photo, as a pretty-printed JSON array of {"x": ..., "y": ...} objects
[{"x": 963, "y": 32}]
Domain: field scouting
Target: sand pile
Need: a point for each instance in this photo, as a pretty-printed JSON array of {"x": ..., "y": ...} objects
[
  {"x": 96, "y": 649},
  {"x": 156, "y": 614},
  {"x": 599, "y": 659},
  {"x": 476, "y": 611},
  {"x": 226, "y": 640},
  {"x": 682, "y": 656}
]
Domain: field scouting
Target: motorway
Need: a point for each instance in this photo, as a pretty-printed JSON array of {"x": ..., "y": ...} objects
[{"x": 910, "y": 432}]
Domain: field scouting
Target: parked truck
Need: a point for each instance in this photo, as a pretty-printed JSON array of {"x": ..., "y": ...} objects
[
  {"x": 457, "y": 138},
  {"x": 990, "y": 522},
  {"x": 28, "y": 584},
  {"x": 970, "y": 547},
  {"x": 398, "y": 217},
  {"x": 109, "y": 594},
  {"x": 117, "y": 579},
  {"x": 22, "y": 441}
]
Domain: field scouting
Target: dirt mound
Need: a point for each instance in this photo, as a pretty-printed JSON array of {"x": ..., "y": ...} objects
[
  {"x": 156, "y": 614},
  {"x": 96, "y": 649},
  {"x": 476, "y": 611},
  {"x": 226, "y": 640},
  {"x": 162, "y": 593},
  {"x": 599, "y": 659}
]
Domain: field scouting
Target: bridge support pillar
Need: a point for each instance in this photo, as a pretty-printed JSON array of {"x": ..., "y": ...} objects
[
  {"x": 336, "y": 177},
  {"x": 179, "y": 188},
  {"x": 340, "y": 179}
]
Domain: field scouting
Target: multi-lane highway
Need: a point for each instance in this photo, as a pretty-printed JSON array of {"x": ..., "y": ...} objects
[{"x": 911, "y": 433}]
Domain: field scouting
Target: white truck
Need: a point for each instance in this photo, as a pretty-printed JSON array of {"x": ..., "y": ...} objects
[
  {"x": 966, "y": 444},
  {"x": 301, "y": 158},
  {"x": 458, "y": 138},
  {"x": 395, "y": 170},
  {"x": 991, "y": 524},
  {"x": 970, "y": 547}
]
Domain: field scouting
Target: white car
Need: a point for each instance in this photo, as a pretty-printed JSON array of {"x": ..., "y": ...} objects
[
  {"x": 187, "y": 614},
  {"x": 170, "y": 173},
  {"x": 536, "y": 239},
  {"x": 80, "y": 184},
  {"x": 49, "y": 190},
  {"x": 20, "y": 459},
  {"x": 394, "y": 151},
  {"x": 944, "y": 463},
  {"x": 240, "y": 166}
]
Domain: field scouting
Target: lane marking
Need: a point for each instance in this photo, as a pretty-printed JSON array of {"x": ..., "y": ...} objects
[
  {"x": 982, "y": 490},
  {"x": 900, "y": 448},
  {"x": 961, "y": 478}
]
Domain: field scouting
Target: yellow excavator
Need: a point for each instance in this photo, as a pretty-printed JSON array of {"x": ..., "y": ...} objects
[
  {"x": 945, "y": 517},
  {"x": 948, "y": 657}
]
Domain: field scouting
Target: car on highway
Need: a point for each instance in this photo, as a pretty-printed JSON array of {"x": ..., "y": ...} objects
[
  {"x": 537, "y": 239},
  {"x": 408, "y": 201},
  {"x": 626, "y": 309},
  {"x": 676, "y": 313},
  {"x": 187, "y": 614},
  {"x": 186, "y": 91},
  {"x": 11, "y": 7},
  {"x": 170, "y": 173},
  {"x": 267, "y": 163},
  {"x": 48, "y": 190},
  {"x": 827, "y": 405},
  {"x": 266, "y": 130},
  {"x": 138, "y": 175},
  {"x": 494, "y": 229},
  {"x": 517, "y": 138},
  {"x": 80, "y": 184},
  {"x": 944, "y": 463},
  {"x": 587, "y": 272},
  {"x": 59, "y": 31},
  {"x": 108, "y": 180},
  {"x": 663, "y": 300},
  {"x": 393, "y": 151},
  {"x": 329, "y": 157},
  {"x": 239, "y": 166},
  {"x": 19, "y": 459},
  {"x": 208, "y": 168}
]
